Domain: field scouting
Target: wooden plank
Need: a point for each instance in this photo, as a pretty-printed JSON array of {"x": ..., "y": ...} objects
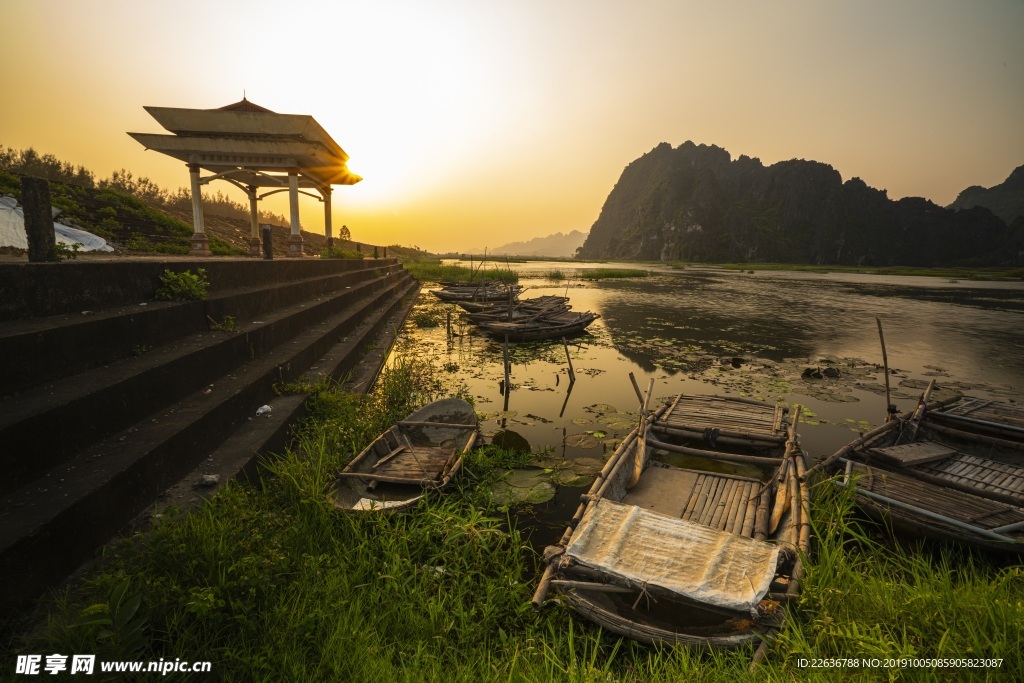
[
  {"x": 718, "y": 519},
  {"x": 712, "y": 506},
  {"x": 698, "y": 486},
  {"x": 911, "y": 454},
  {"x": 750, "y": 517},
  {"x": 662, "y": 489},
  {"x": 707, "y": 491}
]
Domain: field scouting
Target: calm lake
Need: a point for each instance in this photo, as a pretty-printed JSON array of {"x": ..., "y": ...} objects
[{"x": 715, "y": 331}]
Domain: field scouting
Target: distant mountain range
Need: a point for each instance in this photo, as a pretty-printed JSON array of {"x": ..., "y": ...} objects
[
  {"x": 558, "y": 245},
  {"x": 695, "y": 203},
  {"x": 1005, "y": 200}
]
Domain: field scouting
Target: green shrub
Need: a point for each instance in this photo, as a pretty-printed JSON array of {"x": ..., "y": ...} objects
[
  {"x": 338, "y": 252},
  {"x": 184, "y": 286}
]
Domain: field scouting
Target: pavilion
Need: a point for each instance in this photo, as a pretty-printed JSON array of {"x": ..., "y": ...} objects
[{"x": 252, "y": 148}]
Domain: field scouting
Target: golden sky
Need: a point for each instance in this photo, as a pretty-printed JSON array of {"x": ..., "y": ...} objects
[{"x": 479, "y": 122}]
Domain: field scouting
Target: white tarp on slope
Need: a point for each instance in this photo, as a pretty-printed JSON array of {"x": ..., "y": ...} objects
[
  {"x": 12, "y": 230},
  {"x": 694, "y": 561}
]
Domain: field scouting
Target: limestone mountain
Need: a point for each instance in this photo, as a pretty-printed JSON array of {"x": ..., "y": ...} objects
[
  {"x": 695, "y": 203},
  {"x": 1005, "y": 200}
]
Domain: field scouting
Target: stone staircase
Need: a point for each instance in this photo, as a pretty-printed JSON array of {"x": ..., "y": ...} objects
[{"x": 102, "y": 411}]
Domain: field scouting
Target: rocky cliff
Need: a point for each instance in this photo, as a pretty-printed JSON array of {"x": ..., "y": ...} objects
[
  {"x": 695, "y": 203},
  {"x": 1005, "y": 200}
]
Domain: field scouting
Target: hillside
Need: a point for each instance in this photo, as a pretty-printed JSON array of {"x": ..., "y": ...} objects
[
  {"x": 696, "y": 203},
  {"x": 558, "y": 245},
  {"x": 1005, "y": 200}
]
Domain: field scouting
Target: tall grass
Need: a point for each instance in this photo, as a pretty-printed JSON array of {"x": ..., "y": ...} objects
[
  {"x": 555, "y": 274},
  {"x": 271, "y": 583},
  {"x": 610, "y": 273},
  {"x": 435, "y": 271}
]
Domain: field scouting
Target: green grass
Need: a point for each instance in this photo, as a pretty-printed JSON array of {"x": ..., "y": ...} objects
[
  {"x": 555, "y": 275},
  {"x": 610, "y": 273},
  {"x": 950, "y": 272},
  {"x": 434, "y": 271},
  {"x": 271, "y": 583}
]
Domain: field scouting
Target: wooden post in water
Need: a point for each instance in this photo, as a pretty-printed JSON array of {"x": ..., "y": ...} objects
[
  {"x": 508, "y": 386},
  {"x": 889, "y": 412},
  {"x": 572, "y": 373},
  {"x": 448, "y": 323}
]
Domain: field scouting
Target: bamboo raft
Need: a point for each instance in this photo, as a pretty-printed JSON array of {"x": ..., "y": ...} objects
[
  {"x": 932, "y": 481},
  {"x": 481, "y": 292},
  {"x": 749, "y": 529},
  {"x": 416, "y": 456},
  {"x": 554, "y": 326},
  {"x": 996, "y": 418},
  {"x": 536, "y": 303}
]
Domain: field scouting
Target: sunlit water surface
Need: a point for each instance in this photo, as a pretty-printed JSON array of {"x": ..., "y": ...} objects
[{"x": 712, "y": 331}]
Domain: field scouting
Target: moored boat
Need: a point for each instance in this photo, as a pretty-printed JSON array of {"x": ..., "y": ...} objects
[
  {"x": 482, "y": 292},
  {"x": 416, "y": 456},
  {"x": 691, "y": 546},
  {"x": 932, "y": 481},
  {"x": 555, "y": 326}
]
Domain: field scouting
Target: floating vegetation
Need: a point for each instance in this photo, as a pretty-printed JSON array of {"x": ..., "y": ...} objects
[{"x": 581, "y": 441}]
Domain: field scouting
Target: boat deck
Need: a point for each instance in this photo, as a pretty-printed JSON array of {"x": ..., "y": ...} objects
[
  {"x": 980, "y": 473},
  {"x": 730, "y": 417},
  {"x": 991, "y": 411},
  {"x": 722, "y": 502},
  {"x": 418, "y": 462},
  {"x": 983, "y": 513}
]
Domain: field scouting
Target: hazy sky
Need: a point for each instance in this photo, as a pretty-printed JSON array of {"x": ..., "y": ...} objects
[{"x": 477, "y": 122}]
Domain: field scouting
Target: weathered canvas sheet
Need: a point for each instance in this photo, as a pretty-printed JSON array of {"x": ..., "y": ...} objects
[{"x": 694, "y": 561}]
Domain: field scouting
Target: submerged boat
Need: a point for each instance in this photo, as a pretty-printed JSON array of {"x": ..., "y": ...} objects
[
  {"x": 932, "y": 481},
  {"x": 416, "y": 456},
  {"x": 554, "y": 326},
  {"x": 692, "y": 544}
]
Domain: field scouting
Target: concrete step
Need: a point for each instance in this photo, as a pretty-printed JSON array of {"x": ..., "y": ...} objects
[
  {"x": 52, "y": 524},
  {"x": 74, "y": 343},
  {"x": 89, "y": 406}
]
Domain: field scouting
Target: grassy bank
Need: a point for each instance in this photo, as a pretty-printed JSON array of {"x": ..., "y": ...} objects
[
  {"x": 957, "y": 273},
  {"x": 432, "y": 270},
  {"x": 611, "y": 273},
  {"x": 271, "y": 583}
]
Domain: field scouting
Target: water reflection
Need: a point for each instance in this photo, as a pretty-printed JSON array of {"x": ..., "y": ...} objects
[{"x": 728, "y": 332}]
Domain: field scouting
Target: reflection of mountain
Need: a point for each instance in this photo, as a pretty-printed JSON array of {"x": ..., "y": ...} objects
[{"x": 687, "y": 323}]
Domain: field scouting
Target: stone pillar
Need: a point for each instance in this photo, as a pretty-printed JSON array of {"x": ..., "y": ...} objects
[
  {"x": 35, "y": 202},
  {"x": 295, "y": 238},
  {"x": 200, "y": 242},
  {"x": 328, "y": 228},
  {"x": 268, "y": 241},
  {"x": 254, "y": 218}
]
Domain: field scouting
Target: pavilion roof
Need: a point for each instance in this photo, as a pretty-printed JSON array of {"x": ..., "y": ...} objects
[{"x": 249, "y": 143}]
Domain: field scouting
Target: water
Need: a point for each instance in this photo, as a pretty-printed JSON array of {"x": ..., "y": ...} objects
[{"x": 713, "y": 331}]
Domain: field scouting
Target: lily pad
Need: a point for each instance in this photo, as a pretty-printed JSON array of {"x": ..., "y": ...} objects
[
  {"x": 581, "y": 441},
  {"x": 523, "y": 486},
  {"x": 587, "y": 465},
  {"x": 601, "y": 408},
  {"x": 570, "y": 478},
  {"x": 618, "y": 421},
  {"x": 581, "y": 421}
]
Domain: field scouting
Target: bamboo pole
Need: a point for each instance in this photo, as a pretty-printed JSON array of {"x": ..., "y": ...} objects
[
  {"x": 889, "y": 408},
  {"x": 763, "y": 461},
  {"x": 568, "y": 358}
]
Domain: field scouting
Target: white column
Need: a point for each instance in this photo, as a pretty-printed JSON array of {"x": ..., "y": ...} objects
[
  {"x": 328, "y": 228},
  {"x": 255, "y": 246},
  {"x": 295, "y": 239},
  {"x": 200, "y": 242}
]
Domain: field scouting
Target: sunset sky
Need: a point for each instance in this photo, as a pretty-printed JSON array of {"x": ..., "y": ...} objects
[{"x": 478, "y": 122}]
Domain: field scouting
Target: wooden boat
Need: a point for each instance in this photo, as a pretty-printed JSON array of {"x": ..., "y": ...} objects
[
  {"x": 555, "y": 326},
  {"x": 690, "y": 552},
  {"x": 980, "y": 416},
  {"x": 489, "y": 292},
  {"x": 416, "y": 456},
  {"x": 536, "y": 303},
  {"x": 518, "y": 314},
  {"x": 930, "y": 481}
]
